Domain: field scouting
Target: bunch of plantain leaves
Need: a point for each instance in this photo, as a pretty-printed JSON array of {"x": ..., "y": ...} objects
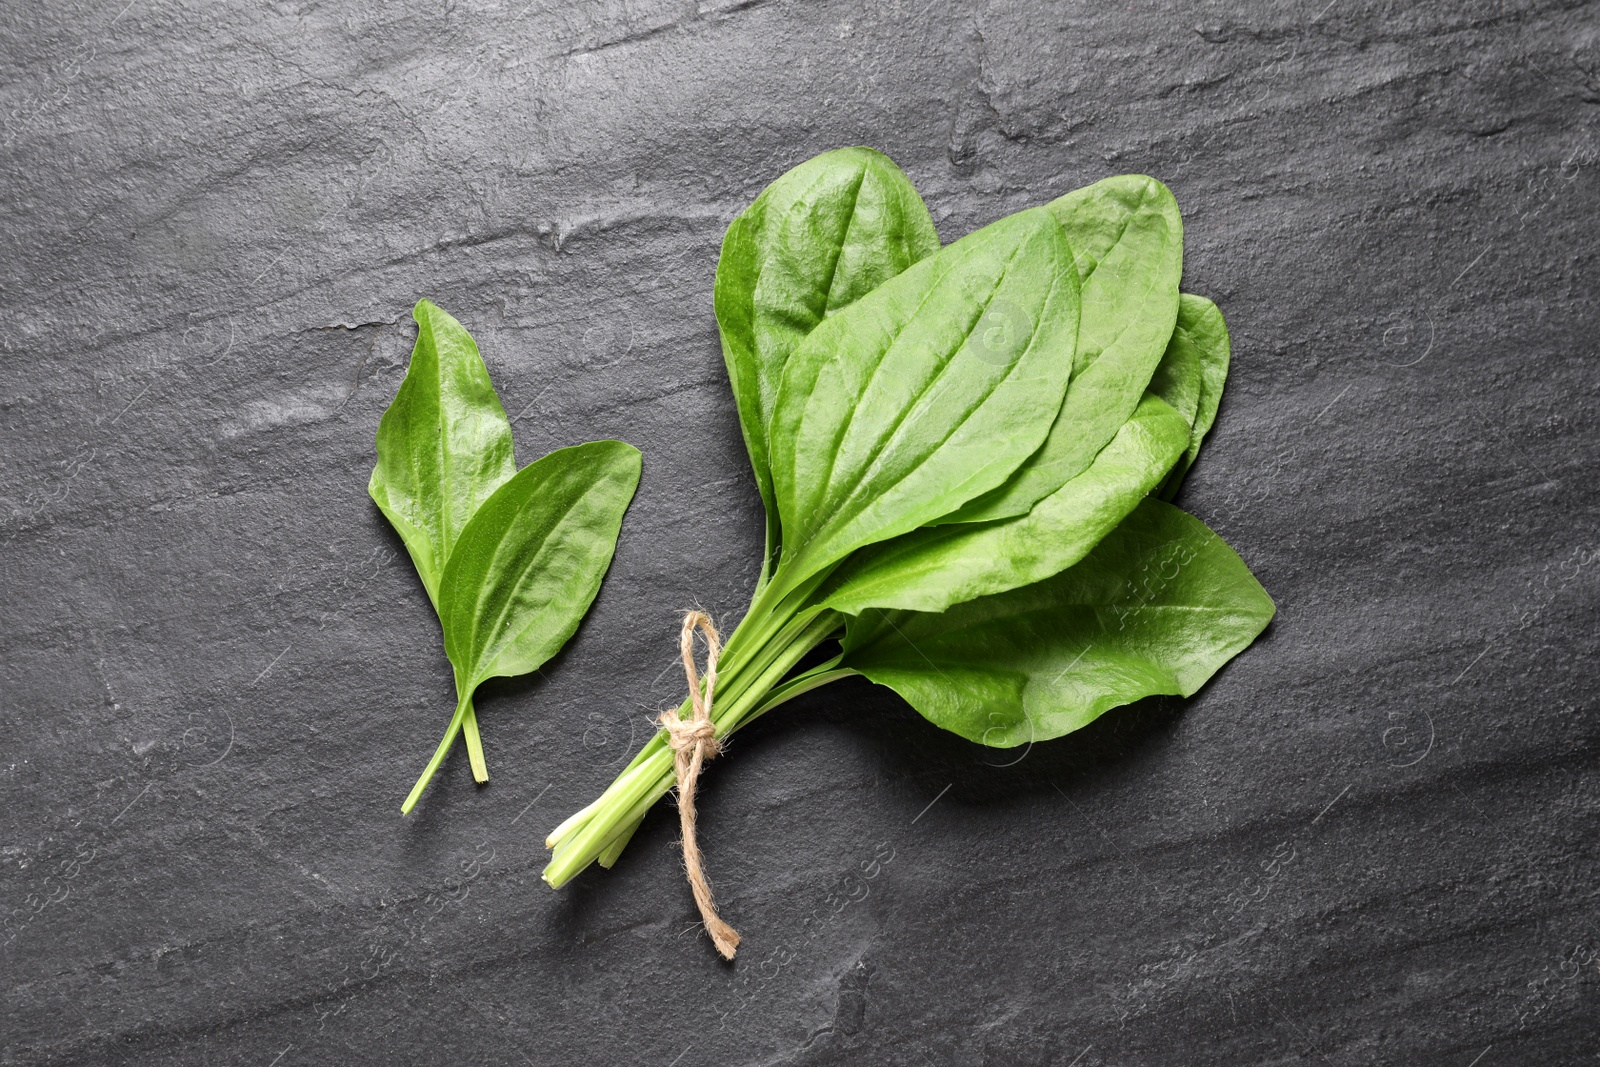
[{"x": 965, "y": 454}]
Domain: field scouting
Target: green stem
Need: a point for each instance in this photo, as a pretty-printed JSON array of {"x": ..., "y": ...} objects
[
  {"x": 612, "y": 851},
  {"x": 731, "y": 668},
  {"x": 815, "y": 678},
  {"x": 768, "y": 551},
  {"x": 769, "y": 613},
  {"x": 584, "y": 846},
  {"x": 595, "y": 833},
  {"x": 463, "y": 709},
  {"x": 805, "y": 638},
  {"x": 469, "y": 732}
]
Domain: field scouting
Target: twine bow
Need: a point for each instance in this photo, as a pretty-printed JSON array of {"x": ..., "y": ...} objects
[{"x": 694, "y": 741}]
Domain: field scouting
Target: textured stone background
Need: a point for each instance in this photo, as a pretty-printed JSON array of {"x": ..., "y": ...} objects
[{"x": 1371, "y": 840}]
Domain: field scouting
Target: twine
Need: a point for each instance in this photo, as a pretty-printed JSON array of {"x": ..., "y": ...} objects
[{"x": 694, "y": 741}]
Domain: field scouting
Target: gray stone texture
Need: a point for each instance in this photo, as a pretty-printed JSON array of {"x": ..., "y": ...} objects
[{"x": 1371, "y": 840}]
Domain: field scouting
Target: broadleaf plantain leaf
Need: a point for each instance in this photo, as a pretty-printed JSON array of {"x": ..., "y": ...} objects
[
  {"x": 1127, "y": 237},
  {"x": 1157, "y": 608},
  {"x": 530, "y": 562},
  {"x": 818, "y": 238},
  {"x": 1202, "y": 332},
  {"x": 910, "y": 402},
  {"x": 444, "y": 445},
  {"x": 934, "y": 567}
]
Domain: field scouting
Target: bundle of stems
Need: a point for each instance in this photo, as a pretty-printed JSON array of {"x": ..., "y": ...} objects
[{"x": 751, "y": 680}]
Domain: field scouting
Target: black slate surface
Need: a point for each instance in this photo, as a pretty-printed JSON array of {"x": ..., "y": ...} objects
[{"x": 1370, "y": 840}]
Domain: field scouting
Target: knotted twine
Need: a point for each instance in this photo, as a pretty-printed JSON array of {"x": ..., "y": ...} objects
[{"x": 693, "y": 742}]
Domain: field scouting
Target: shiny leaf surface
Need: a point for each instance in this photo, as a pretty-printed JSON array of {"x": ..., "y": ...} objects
[
  {"x": 932, "y": 568},
  {"x": 1203, "y": 336},
  {"x": 925, "y": 393},
  {"x": 1157, "y": 608},
  {"x": 1127, "y": 238},
  {"x": 820, "y": 237},
  {"x": 530, "y": 562},
  {"x": 444, "y": 444}
]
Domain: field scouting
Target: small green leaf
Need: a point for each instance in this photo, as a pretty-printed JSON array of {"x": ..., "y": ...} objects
[
  {"x": 925, "y": 393},
  {"x": 817, "y": 239},
  {"x": 932, "y": 568},
  {"x": 1157, "y": 608},
  {"x": 444, "y": 445},
  {"x": 530, "y": 562},
  {"x": 1128, "y": 240},
  {"x": 1203, "y": 335},
  {"x": 524, "y": 573}
]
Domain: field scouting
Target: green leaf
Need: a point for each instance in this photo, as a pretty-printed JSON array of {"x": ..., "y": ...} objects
[
  {"x": 1202, "y": 335},
  {"x": 925, "y": 393},
  {"x": 1157, "y": 608},
  {"x": 1177, "y": 379},
  {"x": 524, "y": 573},
  {"x": 823, "y": 235},
  {"x": 444, "y": 445},
  {"x": 932, "y": 568},
  {"x": 529, "y": 563},
  {"x": 1128, "y": 240}
]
